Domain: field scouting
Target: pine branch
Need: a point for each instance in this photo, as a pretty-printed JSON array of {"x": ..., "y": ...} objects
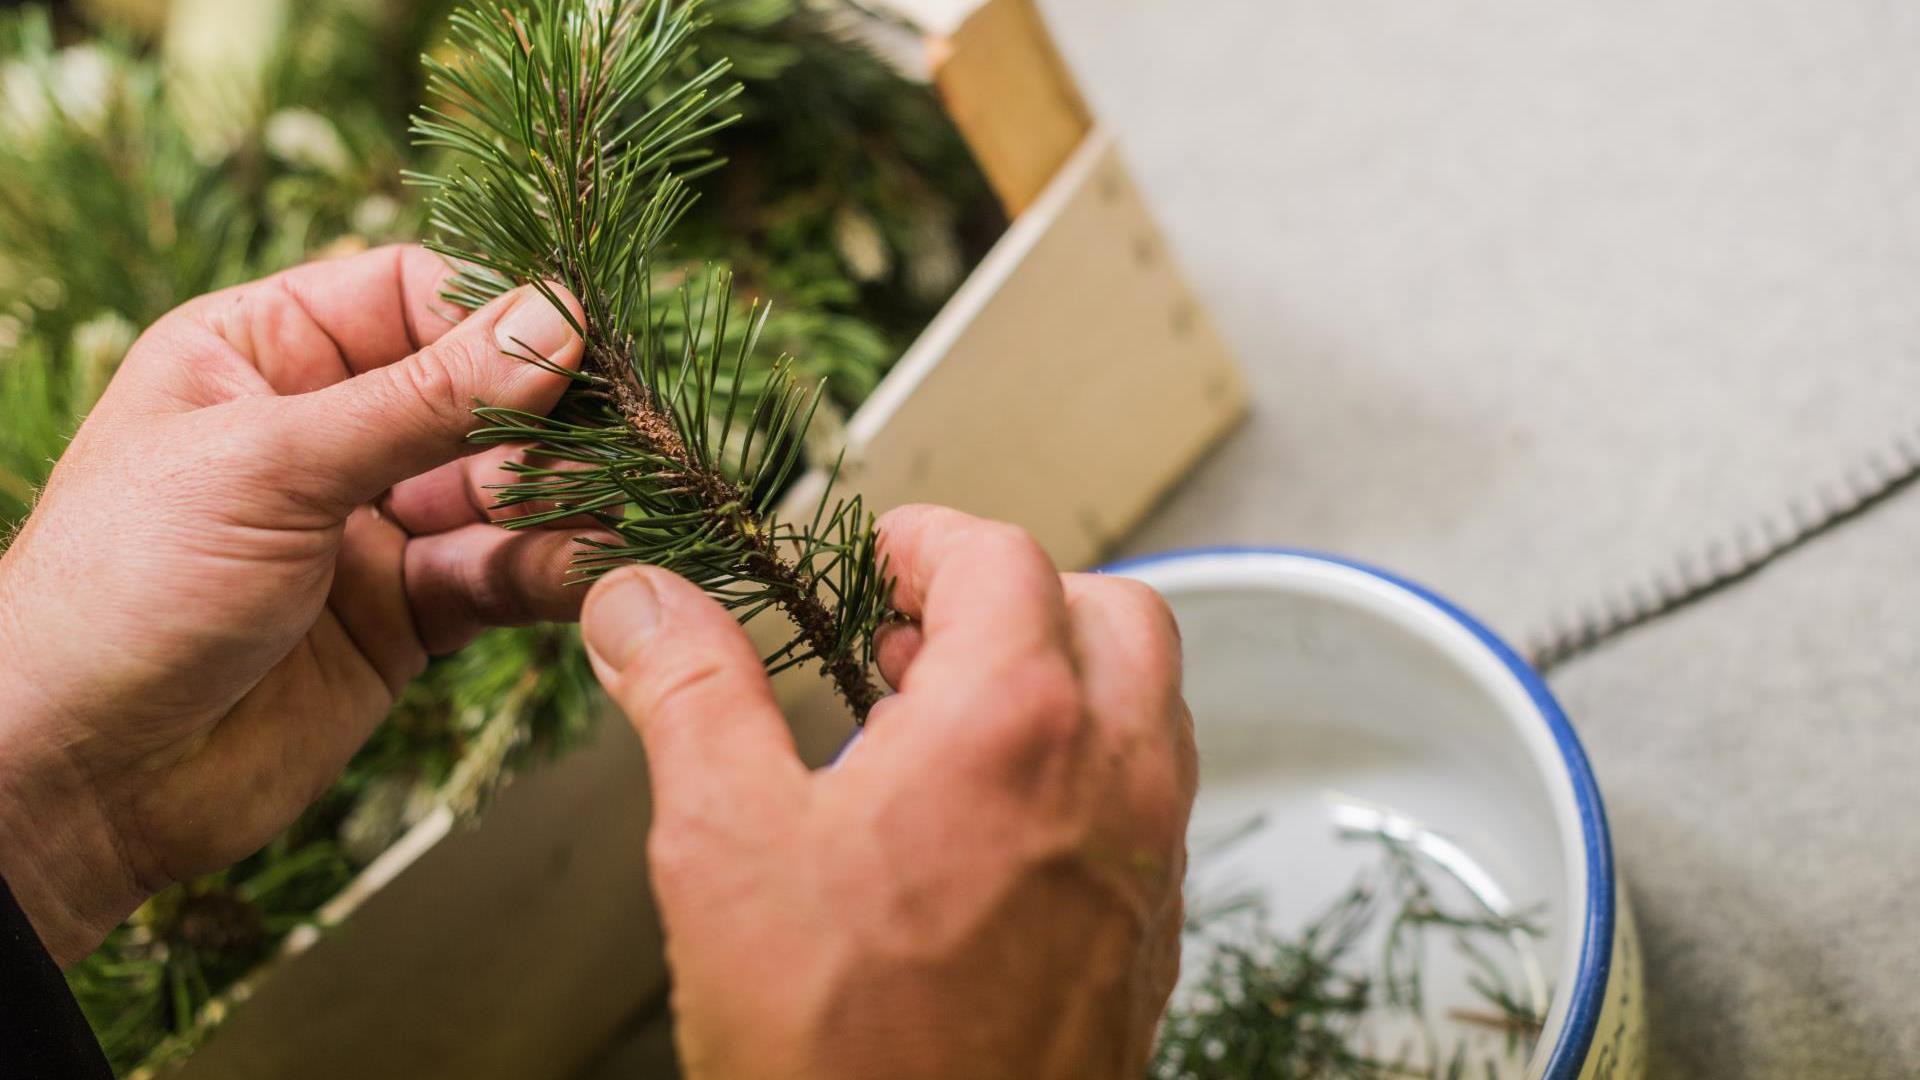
[{"x": 577, "y": 125}]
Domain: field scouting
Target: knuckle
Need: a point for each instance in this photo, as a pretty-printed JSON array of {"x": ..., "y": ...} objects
[
  {"x": 679, "y": 689},
  {"x": 1146, "y": 603},
  {"x": 498, "y": 588},
  {"x": 1049, "y": 701},
  {"x": 673, "y": 850},
  {"x": 435, "y": 382},
  {"x": 410, "y": 256},
  {"x": 1186, "y": 752},
  {"x": 1152, "y": 805},
  {"x": 478, "y": 594},
  {"x": 1008, "y": 541},
  {"x": 1141, "y": 624},
  {"x": 1147, "y": 612},
  {"x": 1160, "y": 804},
  {"x": 693, "y": 831}
]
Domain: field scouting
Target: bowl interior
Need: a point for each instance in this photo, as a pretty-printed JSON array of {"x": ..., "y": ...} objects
[{"x": 1323, "y": 694}]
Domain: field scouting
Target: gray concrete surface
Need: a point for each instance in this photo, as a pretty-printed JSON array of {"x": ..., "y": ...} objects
[{"x": 1536, "y": 296}]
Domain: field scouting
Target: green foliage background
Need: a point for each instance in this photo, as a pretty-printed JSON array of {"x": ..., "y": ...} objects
[{"x": 126, "y": 190}]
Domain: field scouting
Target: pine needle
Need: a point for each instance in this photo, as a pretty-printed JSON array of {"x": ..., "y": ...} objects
[
  {"x": 119, "y": 214},
  {"x": 573, "y": 128},
  {"x": 1266, "y": 1006}
]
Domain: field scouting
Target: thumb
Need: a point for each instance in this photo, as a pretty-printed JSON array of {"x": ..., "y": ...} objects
[
  {"x": 692, "y": 684},
  {"x": 362, "y": 436}
]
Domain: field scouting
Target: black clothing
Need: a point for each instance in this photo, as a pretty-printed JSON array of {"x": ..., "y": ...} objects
[{"x": 43, "y": 1036}]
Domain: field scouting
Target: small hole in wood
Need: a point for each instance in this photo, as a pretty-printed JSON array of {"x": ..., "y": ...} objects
[
  {"x": 1182, "y": 319},
  {"x": 1091, "y": 526}
]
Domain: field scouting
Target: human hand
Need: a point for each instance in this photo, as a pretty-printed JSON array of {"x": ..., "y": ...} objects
[
  {"x": 252, "y": 544},
  {"x": 986, "y": 886}
]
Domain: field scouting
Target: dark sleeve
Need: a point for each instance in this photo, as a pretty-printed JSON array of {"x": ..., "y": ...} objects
[{"x": 43, "y": 1036}]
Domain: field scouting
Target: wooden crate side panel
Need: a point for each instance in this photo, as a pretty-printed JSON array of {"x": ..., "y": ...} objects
[
  {"x": 513, "y": 952},
  {"x": 1011, "y": 96},
  {"x": 1069, "y": 384}
]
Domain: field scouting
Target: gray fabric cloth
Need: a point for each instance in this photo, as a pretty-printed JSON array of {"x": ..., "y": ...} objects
[
  {"x": 1760, "y": 759},
  {"x": 1532, "y": 296},
  {"x": 1535, "y": 297}
]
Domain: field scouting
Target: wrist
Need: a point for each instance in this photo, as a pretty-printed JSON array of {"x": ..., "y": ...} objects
[{"x": 59, "y": 853}]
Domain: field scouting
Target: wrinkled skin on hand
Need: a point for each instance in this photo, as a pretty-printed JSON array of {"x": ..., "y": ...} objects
[
  {"x": 257, "y": 538},
  {"x": 270, "y": 522},
  {"x": 986, "y": 886}
]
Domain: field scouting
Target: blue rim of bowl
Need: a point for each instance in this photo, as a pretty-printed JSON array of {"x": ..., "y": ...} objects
[{"x": 1596, "y": 945}]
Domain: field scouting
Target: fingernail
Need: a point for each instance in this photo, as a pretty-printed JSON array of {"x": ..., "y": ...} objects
[
  {"x": 534, "y": 328},
  {"x": 620, "y": 616}
]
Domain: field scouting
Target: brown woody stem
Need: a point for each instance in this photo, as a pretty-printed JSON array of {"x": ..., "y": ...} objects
[{"x": 722, "y": 498}]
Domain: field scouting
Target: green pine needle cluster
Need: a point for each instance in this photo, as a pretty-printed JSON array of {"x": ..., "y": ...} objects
[
  {"x": 852, "y": 204},
  {"x": 575, "y": 126},
  {"x": 1265, "y": 1006}
]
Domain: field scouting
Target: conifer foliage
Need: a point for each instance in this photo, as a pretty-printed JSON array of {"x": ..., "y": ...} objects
[
  {"x": 574, "y": 128},
  {"x": 122, "y": 196}
]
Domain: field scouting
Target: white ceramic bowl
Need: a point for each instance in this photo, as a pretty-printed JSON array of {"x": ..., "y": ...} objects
[{"x": 1320, "y": 685}]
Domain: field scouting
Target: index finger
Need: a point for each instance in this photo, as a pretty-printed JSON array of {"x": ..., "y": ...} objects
[{"x": 990, "y": 605}]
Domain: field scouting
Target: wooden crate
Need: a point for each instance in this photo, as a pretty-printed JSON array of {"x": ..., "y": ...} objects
[{"x": 1071, "y": 381}]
